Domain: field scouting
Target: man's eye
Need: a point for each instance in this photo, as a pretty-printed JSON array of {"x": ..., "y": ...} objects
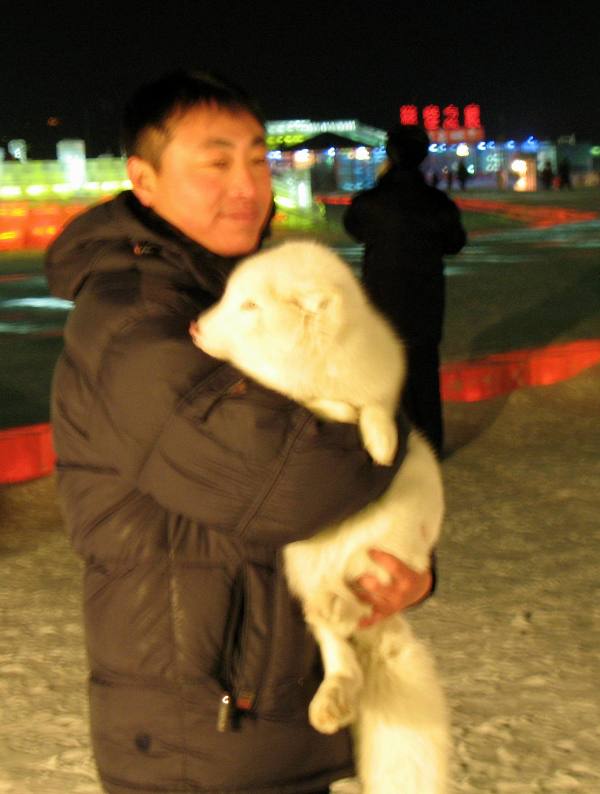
[{"x": 248, "y": 306}]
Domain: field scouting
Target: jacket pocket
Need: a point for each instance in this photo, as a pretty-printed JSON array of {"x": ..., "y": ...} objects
[
  {"x": 270, "y": 664},
  {"x": 246, "y": 643}
]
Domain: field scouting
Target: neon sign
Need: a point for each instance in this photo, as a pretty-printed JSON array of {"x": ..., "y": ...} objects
[
  {"x": 443, "y": 123},
  {"x": 448, "y": 118}
]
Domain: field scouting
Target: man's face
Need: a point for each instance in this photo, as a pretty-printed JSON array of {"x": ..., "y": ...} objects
[{"x": 214, "y": 182}]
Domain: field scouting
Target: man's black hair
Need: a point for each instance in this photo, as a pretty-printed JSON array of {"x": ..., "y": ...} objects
[
  {"x": 407, "y": 145},
  {"x": 152, "y": 106}
]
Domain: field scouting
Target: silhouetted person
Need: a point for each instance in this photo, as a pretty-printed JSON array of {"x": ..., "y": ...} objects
[
  {"x": 434, "y": 181},
  {"x": 449, "y": 179},
  {"x": 462, "y": 175},
  {"x": 547, "y": 175},
  {"x": 407, "y": 226},
  {"x": 564, "y": 174}
]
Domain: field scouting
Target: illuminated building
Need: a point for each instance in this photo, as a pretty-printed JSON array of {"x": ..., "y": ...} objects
[{"x": 308, "y": 159}]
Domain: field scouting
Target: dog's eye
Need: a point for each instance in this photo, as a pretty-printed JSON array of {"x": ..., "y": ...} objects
[{"x": 248, "y": 306}]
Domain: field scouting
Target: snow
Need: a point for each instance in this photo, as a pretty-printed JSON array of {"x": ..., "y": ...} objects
[{"x": 515, "y": 624}]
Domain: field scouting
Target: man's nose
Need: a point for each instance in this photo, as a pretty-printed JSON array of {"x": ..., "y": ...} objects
[{"x": 243, "y": 181}]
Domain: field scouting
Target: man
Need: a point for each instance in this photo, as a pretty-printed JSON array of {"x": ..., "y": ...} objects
[
  {"x": 407, "y": 227},
  {"x": 181, "y": 480}
]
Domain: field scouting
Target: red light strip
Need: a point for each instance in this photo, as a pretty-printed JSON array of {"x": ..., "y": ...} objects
[{"x": 27, "y": 452}]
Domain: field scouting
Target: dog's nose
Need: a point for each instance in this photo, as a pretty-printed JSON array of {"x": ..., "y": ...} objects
[{"x": 194, "y": 330}]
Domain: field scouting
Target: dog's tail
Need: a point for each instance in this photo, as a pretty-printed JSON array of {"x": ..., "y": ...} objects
[{"x": 402, "y": 732}]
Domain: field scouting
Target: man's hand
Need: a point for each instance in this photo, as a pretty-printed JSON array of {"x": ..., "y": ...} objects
[{"x": 406, "y": 588}]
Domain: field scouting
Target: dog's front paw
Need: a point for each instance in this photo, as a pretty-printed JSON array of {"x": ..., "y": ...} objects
[
  {"x": 334, "y": 704},
  {"x": 336, "y": 410},
  {"x": 379, "y": 434}
]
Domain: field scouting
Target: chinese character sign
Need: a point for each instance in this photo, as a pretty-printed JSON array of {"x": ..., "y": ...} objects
[
  {"x": 431, "y": 117},
  {"x": 451, "y": 116},
  {"x": 409, "y": 114},
  {"x": 472, "y": 117},
  {"x": 448, "y": 118}
]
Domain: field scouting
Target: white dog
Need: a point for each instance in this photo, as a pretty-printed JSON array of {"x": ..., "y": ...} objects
[{"x": 296, "y": 319}]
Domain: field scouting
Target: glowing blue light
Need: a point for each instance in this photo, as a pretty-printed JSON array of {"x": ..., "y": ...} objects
[
  {"x": 491, "y": 144},
  {"x": 481, "y": 146},
  {"x": 510, "y": 144},
  {"x": 442, "y": 147},
  {"x": 36, "y": 303},
  {"x": 531, "y": 144},
  {"x": 433, "y": 147},
  {"x": 276, "y": 155},
  {"x": 331, "y": 151}
]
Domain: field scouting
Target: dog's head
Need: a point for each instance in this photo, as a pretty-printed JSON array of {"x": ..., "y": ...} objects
[{"x": 283, "y": 308}]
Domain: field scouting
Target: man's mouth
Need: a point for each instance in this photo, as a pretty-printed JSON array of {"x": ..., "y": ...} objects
[{"x": 242, "y": 215}]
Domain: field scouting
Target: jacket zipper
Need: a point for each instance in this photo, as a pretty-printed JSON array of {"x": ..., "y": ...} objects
[{"x": 231, "y": 643}]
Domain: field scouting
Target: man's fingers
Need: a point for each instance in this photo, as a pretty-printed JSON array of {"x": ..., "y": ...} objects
[
  {"x": 372, "y": 619},
  {"x": 369, "y": 583},
  {"x": 390, "y": 563}
]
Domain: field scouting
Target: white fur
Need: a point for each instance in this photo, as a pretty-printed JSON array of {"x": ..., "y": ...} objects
[{"x": 297, "y": 320}]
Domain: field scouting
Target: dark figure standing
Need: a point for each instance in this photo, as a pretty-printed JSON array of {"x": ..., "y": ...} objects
[
  {"x": 449, "y": 178},
  {"x": 564, "y": 174},
  {"x": 407, "y": 227},
  {"x": 462, "y": 175},
  {"x": 547, "y": 176}
]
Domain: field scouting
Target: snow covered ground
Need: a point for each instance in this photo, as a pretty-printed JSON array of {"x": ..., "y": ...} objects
[{"x": 515, "y": 623}]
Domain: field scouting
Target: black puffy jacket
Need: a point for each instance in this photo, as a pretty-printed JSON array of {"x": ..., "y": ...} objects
[
  {"x": 180, "y": 481},
  {"x": 407, "y": 228}
]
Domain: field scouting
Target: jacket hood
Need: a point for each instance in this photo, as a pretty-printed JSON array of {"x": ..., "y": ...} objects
[{"x": 120, "y": 235}]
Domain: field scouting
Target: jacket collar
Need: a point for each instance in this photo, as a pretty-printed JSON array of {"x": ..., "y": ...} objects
[
  {"x": 210, "y": 271},
  {"x": 395, "y": 175},
  {"x": 121, "y": 235}
]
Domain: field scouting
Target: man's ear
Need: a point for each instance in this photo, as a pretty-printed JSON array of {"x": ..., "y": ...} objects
[{"x": 143, "y": 179}]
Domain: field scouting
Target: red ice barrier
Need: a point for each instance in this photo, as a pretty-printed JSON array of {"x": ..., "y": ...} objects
[
  {"x": 533, "y": 216},
  {"x": 500, "y": 373},
  {"x": 31, "y": 227},
  {"x": 27, "y": 453}
]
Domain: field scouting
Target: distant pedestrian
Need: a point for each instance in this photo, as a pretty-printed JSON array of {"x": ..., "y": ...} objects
[
  {"x": 407, "y": 227},
  {"x": 547, "y": 175},
  {"x": 449, "y": 178},
  {"x": 434, "y": 179},
  {"x": 501, "y": 179},
  {"x": 564, "y": 174},
  {"x": 462, "y": 175}
]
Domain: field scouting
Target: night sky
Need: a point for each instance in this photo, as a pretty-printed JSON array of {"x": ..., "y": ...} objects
[{"x": 533, "y": 67}]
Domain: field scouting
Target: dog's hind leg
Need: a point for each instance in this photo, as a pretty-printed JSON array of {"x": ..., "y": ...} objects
[{"x": 334, "y": 704}]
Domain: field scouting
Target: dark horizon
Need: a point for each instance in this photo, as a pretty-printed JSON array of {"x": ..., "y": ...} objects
[{"x": 532, "y": 71}]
